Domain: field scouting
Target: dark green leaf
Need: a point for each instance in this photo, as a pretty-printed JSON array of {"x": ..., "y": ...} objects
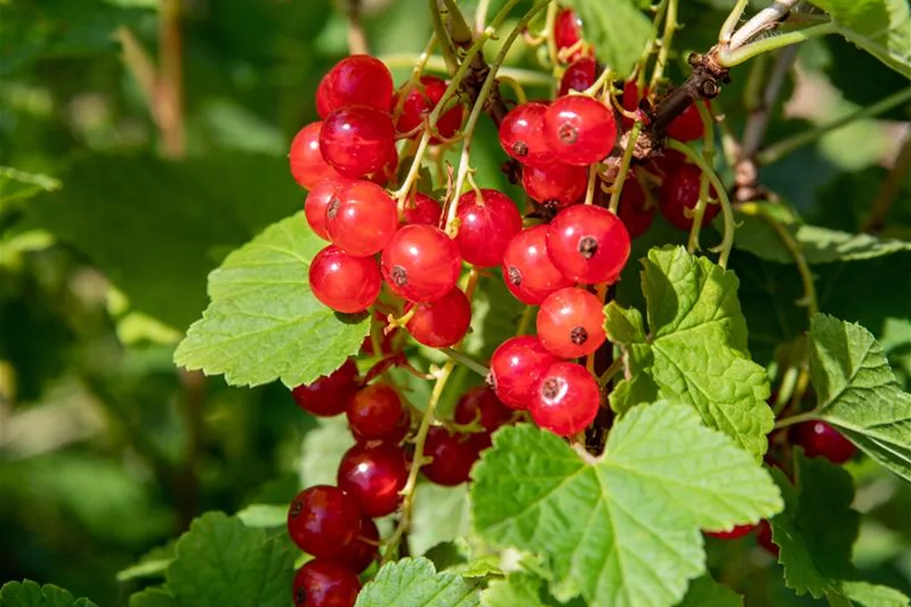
[
  {"x": 706, "y": 592},
  {"x": 617, "y": 29},
  {"x": 29, "y": 594}
]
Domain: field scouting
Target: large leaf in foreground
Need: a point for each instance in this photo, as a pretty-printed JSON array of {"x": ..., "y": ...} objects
[
  {"x": 263, "y": 322},
  {"x": 415, "y": 582},
  {"x": 621, "y": 530}
]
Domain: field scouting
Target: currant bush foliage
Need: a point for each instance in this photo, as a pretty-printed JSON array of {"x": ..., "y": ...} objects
[
  {"x": 416, "y": 583},
  {"x": 29, "y": 594}
]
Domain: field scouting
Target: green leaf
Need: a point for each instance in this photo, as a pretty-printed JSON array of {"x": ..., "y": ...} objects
[
  {"x": 858, "y": 393},
  {"x": 154, "y": 597},
  {"x": 264, "y": 515},
  {"x": 696, "y": 350},
  {"x": 153, "y": 564},
  {"x": 263, "y": 322},
  {"x": 20, "y": 185},
  {"x": 874, "y": 595},
  {"x": 880, "y": 27},
  {"x": 414, "y": 582},
  {"x": 518, "y": 588},
  {"x": 617, "y": 29},
  {"x": 706, "y": 592},
  {"x": 322, "y": 450},
  {"x": 29, "y": 594},
  {"x": 440, "y": 514},
  {"x": 621, "y": 530},
  {"x": 221, "y": 561}
]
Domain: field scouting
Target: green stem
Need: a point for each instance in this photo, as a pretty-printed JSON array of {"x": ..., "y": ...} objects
[
  {"x": 436, "y": 63},
  {"x": 624, "y": 166},
  {"x": 890, "y": 188},
  {"x": 729, "y": 57},
  {"x": 708, "y": 153},
  {"x": 614, "y": 368},
  {"x": 467, "y": 360},
  {"x": 458, "y": 26},
  {"x": 670, "y": 26},
  {"x": 796, "y": 419},
  {"x": 446, "y": 47},
  {"x": 524, "y": 322},
  {"x": 730, "y": 24}
]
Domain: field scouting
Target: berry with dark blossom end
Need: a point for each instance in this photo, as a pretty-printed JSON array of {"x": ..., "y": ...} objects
[
  {"x": 764, "y": 539},
  {"x": 528, "y": 271},
  {"x": 565, "y": 399},
  {"x": 735, "y": 533},
  {"x": 318, "y": 199},
  {"x": 327, "y": 395},
  {"x": 580, "y": 75},
  {"x": 486, "y": 225},
  {"x": 556, "y": 185},
  {"x": 481, "y": 405},
  {"x": 579, "y": 130},
  {"x": 634, "y": 210},
  {"x": 442, "y": 322},
  {"x": 376, "y": 413},
  {"x": 679, "y": 195},
  {"x": 344, "y": 283},
  {"x": 374, "y": 476},
  {"x": 357, "y": 140},
  {"x": 588, "y": 244},
  {"x": 421, "y": 100},
  {"x": 452, "y": 455},
  {"x": 515, "y": 368},
  {"x": 364, "y": 550},
  {"x": 324, "y": 521},
  {"x": 422, "y": 263},
  {"x": 688, "y": 126},
  {"x": 361, "y": 218},
  {"x": 422, "y": 210},
  {"x": 568, "y": 32},
  {"x": 819, "y": 439},
  {"x": 570, "y": 323},
  {"x": 322, "y": 583},
  {"x": 308, "y": 167},
  {"x": 355, "y": 80},
  {"x": 522, "y": 134}
]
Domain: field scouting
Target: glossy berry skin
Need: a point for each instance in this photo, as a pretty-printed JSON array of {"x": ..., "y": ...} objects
[
  {"x": 442, "y": 322},
  {"x": 376, "y": 413},
  {"x": 579, "y": 130},
  {"x": 570, "y": 323},
  {"x": 321, "y": 583},
  {"x": 634, "y": 211},
  {"x": 631, "y": 103},
  {"x": 355, "y": 80},
  {"x": 421, "y": 263},
  {"x": 344, "y": 283},
  {"x": 565, "y": 399},
  {"x": 453, "y": 456},
  {"x": 374, "y": 476},
  {"x": 361, "y": 219},
  {"x": 588, "y": 244},
  {"x": 364, "y": 550},
  {"x": 680, "y": 192},
  {"x": 819, "y": 439},
  {"x": 529, "y": 273},
  {"x": 580, "y": 75},
  {"x": 764, "y": 539},
  {"x": 422, "y": 210},
  {"x": 487, "y": 224},
  {"x": 357, "y": 140},
  {"x": 420, "y": 102},
  {"x": 515, "y": 368},
  {"x": 687, "y": 126},
  {"x": 307, "y": 164},
  {"x": 327, "y": 395},
  {"x": 324, "y": 521},
  {"x": 481, "y": 405},
  {"x": 556, "y": 185},
  {"x": 735, "y": 533},
  {"x": 522, "y": 134},
  {"x": 568, "y": 31},
  {"x": 318, "y": 199}
]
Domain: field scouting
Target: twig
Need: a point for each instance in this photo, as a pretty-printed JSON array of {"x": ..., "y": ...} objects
[
  {"x": 796, "y": 419},
  {"x": 357, "y": 38},
  {"x": 436, "y": 63},
  {"x": 708, "y": 153},
  {"x": 632, "y": 140},
  {"x": 169, "y": 91},
  {"x": 762, "y": 21},
  {"x": 729, "y": 57},
  {"x": 888, "y": 191},
  {"x": 670, "y": 26},
  {"x": 480, "y": 16},
  {"x": 467, "y": 361}
]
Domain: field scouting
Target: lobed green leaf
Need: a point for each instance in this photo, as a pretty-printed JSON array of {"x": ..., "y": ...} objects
[
  {"x": 618, "y": 30},
  {"x": 415, "y": 582}
]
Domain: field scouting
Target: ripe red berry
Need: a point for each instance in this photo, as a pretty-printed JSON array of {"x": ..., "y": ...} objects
[
  {"x": 324, "y": 521},
  {"x": 422, "y": 210},
  {"x": 344, "y": 283},
  {"x": 737, "y": 532},
  {"x": 571, "y": 323},
  {"x": 307, "y": 164},
  {"x": 322, "y": 583},
  {"x": 819, "y": 439},
  {"x": 565, "y": 399},
  {"x": 580, "y": 75},
  {"x": 764, "y": 539},
  {"x": 667, "y": 163},
  {"x": 631, "y": 99},
  {"x": 364, "y": 550},
  {"x": 515, "y": 368},
  {"x": 374, "y": 476},
  {"x": 327, "y": 395},
  {"x": 421, "y": 263},
  {"x": 355, "y": 80},
  {"x": 480, "y": 404},
  {"x": 529, "y": 273},
  {"x": 357, "y": 140},
  {"x": 634, "y": 211},
  {"x": 453, "y": 456},
  {"x": 361, "y": 219},
  {"x": 680, "y": 193},
  {"x": 687, "y": 126},
  {"x": 568, "y": 31},
  {"x": 579, "y": 130},
  {"x": 442, "y": 322},
  {"x": 556, "y": 185},
  {"x": 420, "y": 102},
  {"x": 487, "y": 225},
  {"x": 588, "y": 244},
  {"x": 318, "y": 199},
  {"x": 522, "y": 134},
  {"x": 376, "y": 413}
]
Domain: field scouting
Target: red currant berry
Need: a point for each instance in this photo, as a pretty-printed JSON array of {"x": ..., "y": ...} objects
[
  {"x": 364, "y": 549},
  {"x": 355, "y": 80},
  {"x": 687, "y": 126},
  {"x": 580, "y": 75},
  {"x": 420, "y": 102},
  {"x": 376, "y": 413},
  {"x": 566, "y": 399},
  {"x": 680, "y": 193},
  {"x": 453, "y": 456},
  {"x": 522, "y": 134},
  {"x": 322, "y": 583},
  {"x": 421, "y": 263},
  {"x": 344, "y": 283},
  {"x": 556, "y": 185},
  {"x": 481, "y": 405},
  {"x": 764, "y": 539},
  {"x": 529, "y": 273},
  {"x": 737, "y": 532},
  {"x": 819, "y": 439},
  {"x": 356, "y": 140},
  {"x": 442, "y": 322},
  {"x": 568, "y": 32},
  {"x": 374, "y": 476},
  {"x": 571, "y": 323},
  {"x": 634, "y": 210},
  {"x": 579, "y": 130},
  {"x": 667, "y": 163},
  {"x": 318, "y": 199},
  {"x": 487, "y": 225},
  {"x": 422, "y": 210},
  {"x": 631, "y": 99},
  {"x": 324, "y": 521},
  {"x": 390, "y": 167},
  {"x": 515, "y": 368},
  {"x": 307, "y": 165},
  {"x": 361, "y": 219},
  {"x": 328, "y": 395},
  {"x": 588, "y": 244}
]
